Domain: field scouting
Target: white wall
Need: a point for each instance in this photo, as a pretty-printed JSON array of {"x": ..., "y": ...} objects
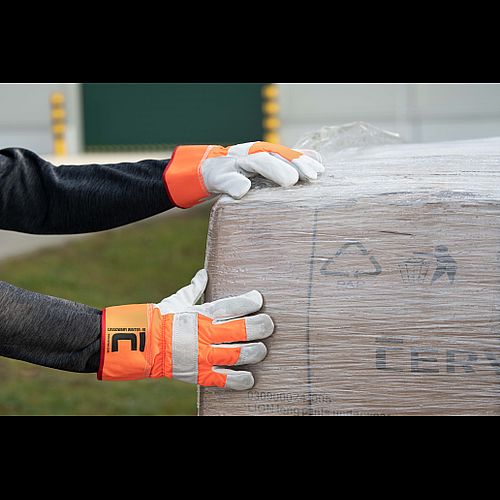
[
  {"x": 25, "y": 116},
  {"x": 418, "y": 112}
]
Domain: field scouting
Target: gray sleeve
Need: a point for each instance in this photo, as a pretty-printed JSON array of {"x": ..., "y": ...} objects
[
  {"x": 37, "y": 197},
  {"x": 48, "y": 331}
]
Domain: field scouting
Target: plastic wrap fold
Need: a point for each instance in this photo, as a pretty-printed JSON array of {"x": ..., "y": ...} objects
[{"x": 382, "y": 277}]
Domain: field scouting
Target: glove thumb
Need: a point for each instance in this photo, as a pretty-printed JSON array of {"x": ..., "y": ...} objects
[
  {"x": 234, "y": 184},
  {"x": 187, "y": 296}
]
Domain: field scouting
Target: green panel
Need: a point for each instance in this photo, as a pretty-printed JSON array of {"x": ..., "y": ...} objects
[{"x": 155, "y": 115}]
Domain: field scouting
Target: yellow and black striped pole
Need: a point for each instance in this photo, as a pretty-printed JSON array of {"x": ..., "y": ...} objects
[
  {"x": 270, "y": 110},
  {"x": 58, "y": 121}
]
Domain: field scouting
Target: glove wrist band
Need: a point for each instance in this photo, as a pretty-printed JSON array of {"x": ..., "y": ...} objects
[
  {"x": 183, "y": 178},
  {"x": 136, "y": 343}
]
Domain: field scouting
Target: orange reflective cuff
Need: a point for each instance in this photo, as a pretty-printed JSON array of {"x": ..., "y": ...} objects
[
  {"x": 124, "y": 338},
  {"x": 268, "y": 147},
  {"x": 183, "y": 178},
  {"x": 136, "y": 343}
]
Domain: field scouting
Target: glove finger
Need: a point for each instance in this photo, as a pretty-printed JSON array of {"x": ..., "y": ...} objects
[
  {"x": 274, "y": 168},
  {"x": 234, "y": 184},
  {"x": 304, "y": 168},
  {"x": 232, "y": 307},
  {"x": 251, "y": 354},
  {"x": 259, "y": 326},
  {"x": 236, "y": 354},
  {"x": 312, "y": 153},
  {"x": 236, "y": 380},
  {"x": 191, "y": 293},
  {"x": 307, "y": 167},
  {"x": 311, "y": 162}
]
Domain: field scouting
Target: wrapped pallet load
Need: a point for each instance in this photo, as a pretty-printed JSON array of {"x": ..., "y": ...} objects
[{"x": 382, "y": 278}]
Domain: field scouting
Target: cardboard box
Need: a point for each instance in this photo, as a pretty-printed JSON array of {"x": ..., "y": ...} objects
[{"x": 383, "y": 280}]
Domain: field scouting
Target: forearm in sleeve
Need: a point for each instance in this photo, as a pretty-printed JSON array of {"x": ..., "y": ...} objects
[
  {"x": 48, "y": 331},
  {"x": 37, "y": 197}
]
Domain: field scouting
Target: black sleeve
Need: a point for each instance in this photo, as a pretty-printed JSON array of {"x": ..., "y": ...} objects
[
  {"x": 48, "y": 331},
  {"x": 37, "y": 197}
]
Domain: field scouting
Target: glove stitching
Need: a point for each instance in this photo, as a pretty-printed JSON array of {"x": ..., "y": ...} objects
[
  {"x": 243, "y": 356},
  {"x": 196, "y": 360},
  {"x": 200, "y": 175},
  {"x": 148, "y": 354},
  {"x": 163, "y": 343}
]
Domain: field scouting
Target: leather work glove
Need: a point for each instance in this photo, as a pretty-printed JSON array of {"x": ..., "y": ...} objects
[
  {"x": 195, "y": 173},
  {"x": 178, "y": 339}
]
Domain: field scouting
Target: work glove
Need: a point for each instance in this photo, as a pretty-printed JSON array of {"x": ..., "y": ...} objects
[
  {"x": 180, "y": 340},
  {"x": 196, "y": 173}
]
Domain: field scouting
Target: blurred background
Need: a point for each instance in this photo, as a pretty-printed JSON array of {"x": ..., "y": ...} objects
[{"x": 104, "y": 123}]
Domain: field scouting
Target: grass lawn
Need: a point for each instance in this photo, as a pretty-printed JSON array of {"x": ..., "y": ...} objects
[{"x": 139, "y": 263}]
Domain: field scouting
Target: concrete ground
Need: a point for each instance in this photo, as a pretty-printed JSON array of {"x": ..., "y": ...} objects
[{"x": 13, "y": 244}]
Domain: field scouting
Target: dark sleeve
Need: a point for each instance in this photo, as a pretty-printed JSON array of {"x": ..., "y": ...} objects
[
  {"x": 38, "y": 198},
  {"x": 48, "y": 331}
]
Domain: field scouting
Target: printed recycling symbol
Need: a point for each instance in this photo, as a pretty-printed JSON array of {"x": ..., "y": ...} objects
[{"x": 336, "y": 266}]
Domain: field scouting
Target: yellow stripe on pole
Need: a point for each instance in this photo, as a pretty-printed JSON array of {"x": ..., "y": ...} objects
[
  {"x": 271, "y": 122},
  {"x": 270, "y": 92},
  {"x": 270, "y": 110},
  {"x": 58, "y": 121},
  {"x": 58, "y": 113},
  {"x": 271, "y": 107},
  {"x": 57, "y": 98}
]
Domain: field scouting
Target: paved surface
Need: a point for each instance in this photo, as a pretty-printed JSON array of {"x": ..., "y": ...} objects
[
  {"x": 17, "y": 244},
  {"x": 12, "y": 244}
]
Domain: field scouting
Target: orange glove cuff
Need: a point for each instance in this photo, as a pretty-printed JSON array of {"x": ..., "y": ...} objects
[
  {"x": 136, "y": 343},
  {"x": 183, "y": 178}
]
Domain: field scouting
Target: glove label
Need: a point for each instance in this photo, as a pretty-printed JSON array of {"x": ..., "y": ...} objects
[{"x": 124, "y": 343}]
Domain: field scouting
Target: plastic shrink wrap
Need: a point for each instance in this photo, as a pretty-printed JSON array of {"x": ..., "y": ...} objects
[{"x": 382, "y": 278}]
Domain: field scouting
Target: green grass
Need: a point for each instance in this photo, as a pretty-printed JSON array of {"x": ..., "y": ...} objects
[{"x": 136, "y": 264}]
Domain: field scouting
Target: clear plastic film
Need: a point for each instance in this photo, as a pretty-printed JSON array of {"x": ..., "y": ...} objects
[{"x": 382, "y": 278}]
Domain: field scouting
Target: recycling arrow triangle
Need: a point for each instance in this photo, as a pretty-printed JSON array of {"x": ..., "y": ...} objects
[{"x": 351, "y": 259}]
